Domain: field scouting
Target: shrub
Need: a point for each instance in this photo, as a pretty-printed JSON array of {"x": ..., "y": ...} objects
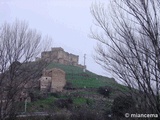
[
  {"x": 69, "y": 86},
  {"x": 89, "y": 102},
  {"x": 57, "y": 95},
  {"x": 108, "y": 114},
  {"x": 75, "y": 95},
  {"x": 81, "y": 102},
  {"x": 105, "y": 91},
  {"x": 86, "y": 114},
  {"x": 63, "y": 103},
  {"x": 122, "y": 104},
  {"x": 36, "y": 95},
  {"x": 60, "y": 116}
]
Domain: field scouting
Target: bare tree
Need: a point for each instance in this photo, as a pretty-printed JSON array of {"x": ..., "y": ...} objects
[
  {"x": 19, "y": 45},
  {"x": 129, "y": 46}
]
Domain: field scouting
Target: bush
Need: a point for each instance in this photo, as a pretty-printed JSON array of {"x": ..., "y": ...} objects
[
  {"x": 60, "y": 116},
  {"x": 86, "y": 114},
  {"x": 36, "y": 95},
  {"x": 63, "y": 103},
  {"x": 105, "y": 91},
  {"x": 108, "y": 114},
  {"x": 122, "y": 105},
  {"x": 89, "y": 102},
  {"x": 69, "y": 86},
  {"x": 57, "y": 95}
]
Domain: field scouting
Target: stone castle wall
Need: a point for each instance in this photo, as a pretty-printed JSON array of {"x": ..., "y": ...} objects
[
  {"x": 52, "y": 80},
  {"x": 60, "y": 56}
]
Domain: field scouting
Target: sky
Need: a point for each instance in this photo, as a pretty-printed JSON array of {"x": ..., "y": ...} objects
[{"x": 68, "y": 22}]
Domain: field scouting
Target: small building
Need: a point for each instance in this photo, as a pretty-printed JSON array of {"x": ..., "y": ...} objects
[
  {"x": 58, "y": 80},
  {"x": 52, "y": 80}
]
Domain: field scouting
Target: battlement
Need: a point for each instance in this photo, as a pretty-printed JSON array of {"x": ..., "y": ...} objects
[
  {"x": 58, "y": 55},
  {"x": 57, "y": 49}
]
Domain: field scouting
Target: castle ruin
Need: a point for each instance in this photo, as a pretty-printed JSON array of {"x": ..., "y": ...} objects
[
  {"x": 52, "y": 80},
  {"x": 58, "y": 55}
]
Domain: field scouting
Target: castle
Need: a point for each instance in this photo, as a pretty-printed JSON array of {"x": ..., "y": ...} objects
[{"x": 58, "y": 55}]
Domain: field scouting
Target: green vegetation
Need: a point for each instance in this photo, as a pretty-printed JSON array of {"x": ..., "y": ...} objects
[
  {"x": 51, "y": 102},
  {"x": 41, "y": 105},
  {"x": 81, "y": 94},
  {"x": 66, "y": 68},
  {"x": 79, "y": 79},
  {"x": 87, "y": 83},
  {"x": 79, "y": 101}
]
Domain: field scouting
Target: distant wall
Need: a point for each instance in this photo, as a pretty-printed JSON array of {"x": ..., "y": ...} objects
[{"x": 60, "y": 56}]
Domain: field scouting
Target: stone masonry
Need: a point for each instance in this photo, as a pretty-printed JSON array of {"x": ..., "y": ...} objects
[
  {"x": 58, "y": 80},
  {"x": 58, "y": 55},
  {"x": 53, "y": 80},
  {"x": 45, "y": 83}
]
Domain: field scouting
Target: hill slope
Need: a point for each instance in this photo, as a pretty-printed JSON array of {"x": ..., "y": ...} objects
[
  {"x": 79, "y": 79},
  {"x": 85, "y": 94}
]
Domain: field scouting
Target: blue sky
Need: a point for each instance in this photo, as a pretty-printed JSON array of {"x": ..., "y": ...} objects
[{"x": 68, "y": 22}]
